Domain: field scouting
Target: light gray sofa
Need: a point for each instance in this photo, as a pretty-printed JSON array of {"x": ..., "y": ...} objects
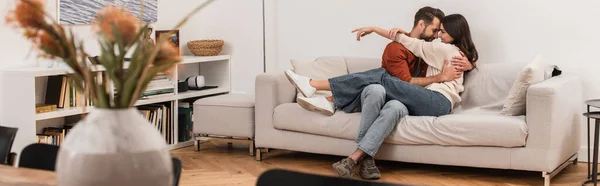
[{"x": 545, "y": 139}]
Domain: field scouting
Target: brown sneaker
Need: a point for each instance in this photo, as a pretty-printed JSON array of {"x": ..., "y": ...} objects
[
  {"x": 368, "y": 170},
  {"x": 344, "y": 167}
]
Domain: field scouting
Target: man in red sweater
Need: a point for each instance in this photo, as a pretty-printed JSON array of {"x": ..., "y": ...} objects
[{"x": 403, "y": 64}]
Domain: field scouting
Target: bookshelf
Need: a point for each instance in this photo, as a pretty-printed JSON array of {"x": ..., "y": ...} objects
[{"x": 28, "y": 87}]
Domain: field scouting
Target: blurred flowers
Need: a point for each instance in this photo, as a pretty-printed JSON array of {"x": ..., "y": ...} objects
[
  {"x": 48, "y": 44},
  {"x": 27, "y": 15},
  {"x": 113, "y": 18},
  {"x": 166, "y": 52},
  {"x": 119, "y": 32}
]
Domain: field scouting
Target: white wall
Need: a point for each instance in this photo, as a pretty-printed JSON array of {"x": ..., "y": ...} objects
[
  {"x": 238, "y": 22},
  {"x": 564, "y": 32}
]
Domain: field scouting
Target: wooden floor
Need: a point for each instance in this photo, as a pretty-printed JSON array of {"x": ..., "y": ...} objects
[{"x": 215, "y": 164}]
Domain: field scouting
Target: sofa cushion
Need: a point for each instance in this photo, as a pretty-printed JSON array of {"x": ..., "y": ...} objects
[
  {"x": 358, "y": 64},
  {"x": 531, "y": 74},
  {"x": 321, "y": 68},
  {"x": 487, "y": 86},
  {"x": 450, "y": 130}
]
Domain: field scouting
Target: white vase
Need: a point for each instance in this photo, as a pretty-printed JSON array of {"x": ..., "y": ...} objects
[{"x": 114, "y": 147}]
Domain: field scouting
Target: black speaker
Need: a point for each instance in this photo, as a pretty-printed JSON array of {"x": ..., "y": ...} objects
[{"x": 182, "y": 86}]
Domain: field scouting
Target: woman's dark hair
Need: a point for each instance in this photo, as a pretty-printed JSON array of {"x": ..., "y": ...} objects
[{"x": 456, "y": 25}]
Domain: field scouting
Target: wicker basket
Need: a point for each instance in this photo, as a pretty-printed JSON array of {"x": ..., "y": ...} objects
[{"x": 206, "y": 47}]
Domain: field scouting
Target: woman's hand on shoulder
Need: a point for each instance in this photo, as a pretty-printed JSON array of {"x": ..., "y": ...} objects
[{"x": 394, "y": 32}]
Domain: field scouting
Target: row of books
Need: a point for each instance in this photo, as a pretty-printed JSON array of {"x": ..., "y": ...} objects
[
  {"x": 159, "y": 116},
  {"x": 160, "y": 85},
  {"x": 61, "y": 93},
  {"x": 54, "y": 135}
]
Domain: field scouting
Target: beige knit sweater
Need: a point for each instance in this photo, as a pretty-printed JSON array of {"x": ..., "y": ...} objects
[{"x": 434, "y": 54}]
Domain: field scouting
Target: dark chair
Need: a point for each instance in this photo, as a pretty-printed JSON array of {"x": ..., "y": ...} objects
[
  {"x": 43, "y": 156},
  {"x": 176, "y": 170},
  {"x": 277, "y": 177},
  {"x": 39, "y": 156},
  {"x": 7, "y": 137}
]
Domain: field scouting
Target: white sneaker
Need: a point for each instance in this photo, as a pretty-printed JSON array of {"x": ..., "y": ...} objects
[
  {"x": 301, "y": 83},
  {"x": 317, "y": 104}
]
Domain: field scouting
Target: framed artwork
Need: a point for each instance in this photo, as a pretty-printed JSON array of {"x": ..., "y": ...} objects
[
  {"x": 80, "y": 12},
  {"x": 173, "y": 38}
]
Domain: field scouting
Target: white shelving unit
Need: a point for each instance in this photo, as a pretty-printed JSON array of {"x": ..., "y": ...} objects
[{"x": 27, "y": 86}]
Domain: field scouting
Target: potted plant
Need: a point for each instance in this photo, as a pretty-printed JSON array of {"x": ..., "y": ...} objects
[{"x": 114, "y": 144}]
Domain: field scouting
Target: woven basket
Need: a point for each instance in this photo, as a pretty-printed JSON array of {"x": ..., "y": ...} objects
[{"x": 206, "y": 47}]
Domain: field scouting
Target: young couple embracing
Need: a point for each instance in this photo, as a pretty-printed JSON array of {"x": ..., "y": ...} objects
[{"x": 417, "y": 77}]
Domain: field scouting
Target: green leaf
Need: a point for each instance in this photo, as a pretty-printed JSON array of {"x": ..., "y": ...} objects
[
  {"x": 133, "y": 73},
  {"x": 118, "y": 38},
  {"x": 102, "y": 97}
]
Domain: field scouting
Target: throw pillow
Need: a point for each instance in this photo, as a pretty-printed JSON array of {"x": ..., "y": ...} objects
[
  {"x": 531, "y": 74},
  {"x": 321, "y": 68}
]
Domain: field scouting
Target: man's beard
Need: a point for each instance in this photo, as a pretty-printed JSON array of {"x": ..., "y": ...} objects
[{"x": 425, "y": 37}]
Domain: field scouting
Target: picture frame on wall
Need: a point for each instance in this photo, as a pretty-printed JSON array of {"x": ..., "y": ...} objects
[
  {"x": 173, "y": 38},
  {"x": 79, "y": 12}
]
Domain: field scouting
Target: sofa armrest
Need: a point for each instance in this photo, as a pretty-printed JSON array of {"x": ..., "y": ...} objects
[
  {"x": 272, "y": 89},
  {"x": 554, "y": 111}
]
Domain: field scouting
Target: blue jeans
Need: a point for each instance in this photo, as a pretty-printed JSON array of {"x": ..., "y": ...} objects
[
  {"x": 378, "y": 119},
  {"x": 420, "y": 101}
]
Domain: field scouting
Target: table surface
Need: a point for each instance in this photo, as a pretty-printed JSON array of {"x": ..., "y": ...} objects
[
  {"x": 593, "y": 103},
  {"x": 27, "y": 177}
]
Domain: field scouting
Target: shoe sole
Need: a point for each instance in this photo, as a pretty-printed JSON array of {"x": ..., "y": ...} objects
[
  {"x": 306, "y": 105},
  {"x": 294, "y": 83},
  {"x": 370, "y": 177},
  {"x": 341, "y": 172}
]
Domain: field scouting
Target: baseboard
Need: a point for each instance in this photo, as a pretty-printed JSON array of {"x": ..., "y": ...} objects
[{"x": 583, "y": 154}]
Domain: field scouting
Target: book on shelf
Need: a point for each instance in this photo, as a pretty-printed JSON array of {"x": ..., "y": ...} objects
[
  {"x": 159, "y": 86},
  {"x": 41, "y": 108},
  {"x": 185, "y": 124},
  {"x": 54, "y": 135},
  {"x": 61, "y": 93},
  {"x": 159, "y": 116}
]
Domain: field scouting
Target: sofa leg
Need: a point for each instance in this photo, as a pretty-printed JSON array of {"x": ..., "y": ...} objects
[
  {"x": 252, "y": 149},
  {"x": 259, "y": 154},
  {"x": 229, "y": 145},
  {"x": 546, "y": 179},
  {"x": 197, "y": 144},
  {"x": 549, "y": 175}
]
